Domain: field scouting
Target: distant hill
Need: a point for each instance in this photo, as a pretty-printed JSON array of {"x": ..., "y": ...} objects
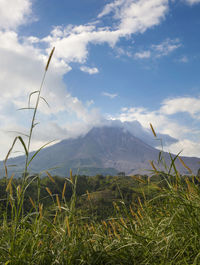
[{"x": 104, "y": 150}]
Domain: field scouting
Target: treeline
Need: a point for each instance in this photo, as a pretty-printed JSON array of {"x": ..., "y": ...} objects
[{"x": 96, "y": 195}]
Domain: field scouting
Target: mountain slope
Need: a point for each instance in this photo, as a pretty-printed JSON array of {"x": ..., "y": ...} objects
[{"x": 104, "y": 150}]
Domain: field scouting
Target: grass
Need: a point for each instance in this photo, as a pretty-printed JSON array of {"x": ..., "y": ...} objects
[{"x": 163, "y": 229}]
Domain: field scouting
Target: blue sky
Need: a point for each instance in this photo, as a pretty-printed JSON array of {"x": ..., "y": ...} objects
[{"x": 126, "y": 60}]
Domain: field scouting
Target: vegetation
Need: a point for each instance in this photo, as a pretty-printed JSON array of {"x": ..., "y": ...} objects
[
  {"x": 118, "y": 220},
  {"x": 99, "y": 220}
]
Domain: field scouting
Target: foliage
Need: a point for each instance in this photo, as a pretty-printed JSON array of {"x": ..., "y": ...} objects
[{"x": 159, "y": 224}]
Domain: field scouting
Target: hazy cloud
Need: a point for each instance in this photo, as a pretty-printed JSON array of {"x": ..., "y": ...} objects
[
  {"x": 159, "y": 50},
  {"x": 142, "y": 55},
  {"x": 192, "y": 2},
  {"x": 89, "y": 102},
  {"x": 110, "y": 95},
  {"x": 184, "y": 59},
  {"x": 166, "y": 47}
]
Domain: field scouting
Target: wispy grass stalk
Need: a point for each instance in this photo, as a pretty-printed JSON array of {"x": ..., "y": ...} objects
[{"x": 18, "y": 209}]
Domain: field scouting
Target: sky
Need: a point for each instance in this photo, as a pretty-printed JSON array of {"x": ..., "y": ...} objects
[{"x": 115, "y": 61}]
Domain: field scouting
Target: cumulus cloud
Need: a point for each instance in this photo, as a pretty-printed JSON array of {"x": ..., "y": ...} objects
[
  {"x": 140, "y": 15},
  {"x": 14, "y": 13},
  {"x": 21, "y": 68},
  {"x": 110, "y": 95},
  {"x": 190, "y": 105},
  {"x": 89, "y": 70}
]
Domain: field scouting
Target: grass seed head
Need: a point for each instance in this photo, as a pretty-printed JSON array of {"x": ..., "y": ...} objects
[
  {"x": 50, "y": 177},
  {"x": 48, "y": 190},
  {"x": 58, "y": 202},
  {"x": 63, "y": 191},
  {"x": 9, "y": 183},
  {"x": 49, "y": 59},
  {"x": 18, "y": 191},
  {"x": 152, "y": 164},
  {"x": 185, "y": 166},
  {"x": 40, "y": 210},
  {"x": 32, "y": 202},
  {"x": 71, "y": 175},
  {"x": 153, "y": 131}
]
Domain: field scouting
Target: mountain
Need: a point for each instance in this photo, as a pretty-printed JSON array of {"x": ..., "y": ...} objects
[
  {"x": 144, "y": 134},
  {"x": 103, "y": 150}
]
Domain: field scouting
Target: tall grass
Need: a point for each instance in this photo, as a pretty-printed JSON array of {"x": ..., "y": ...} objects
[{"x": 161, "y": 230}]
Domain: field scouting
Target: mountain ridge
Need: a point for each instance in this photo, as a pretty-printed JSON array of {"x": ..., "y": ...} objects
[{"x": 103, "y": 150}]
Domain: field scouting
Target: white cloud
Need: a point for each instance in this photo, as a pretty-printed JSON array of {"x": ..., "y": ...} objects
[
  {"x": 160, "y": 121},
  {"x": 192, "y": 2},
  {"x": 89, "y": 70},
  {"x": 190, "y": 105},
  {"x": 74, "y": 105},
  {"x": 138, "y": 16},
  {"x": 166, "y": 47},
  {"x": 110, "y": 95},
  {"x": 21, "y": 68},
  {"x": 159, "y": 50},
  {"x": 131, "y": 16},
  {"x": 163, "y": 122},
  {"x": 111, "y": 7},
  {"x": 14, "y": 13},
  {"x": 71, "y": 42},
  {"x": 189, "y": 147},
  {"x": 142, "y": 55}
]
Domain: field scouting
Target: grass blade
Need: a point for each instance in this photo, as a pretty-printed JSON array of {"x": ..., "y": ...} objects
[
  {"x": 29, "y": 98},
  {"x": 45, "y": 101},
  {"x": 39, "y": 151}
]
